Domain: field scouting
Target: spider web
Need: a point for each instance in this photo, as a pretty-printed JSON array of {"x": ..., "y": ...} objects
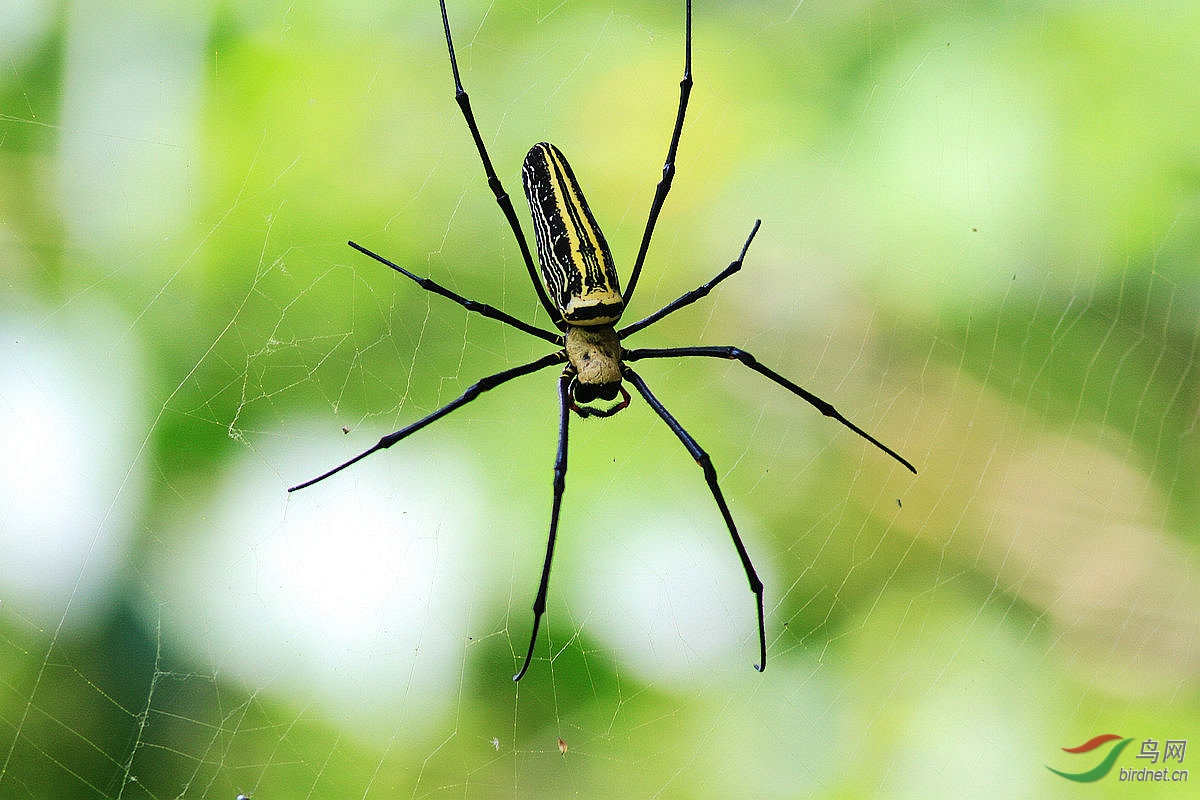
[{"x": 978, "y": 242}]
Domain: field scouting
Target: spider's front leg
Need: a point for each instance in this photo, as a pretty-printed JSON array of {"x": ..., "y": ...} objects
[
  {"x": 710, "y": 477},
  {"x": 738, "y": 354},
  {"x": 473, "y": 391},
  {"x": 560, "y": 484}
]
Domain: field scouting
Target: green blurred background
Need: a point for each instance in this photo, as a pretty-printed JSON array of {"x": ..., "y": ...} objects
[{"x": 980, "y": 234}]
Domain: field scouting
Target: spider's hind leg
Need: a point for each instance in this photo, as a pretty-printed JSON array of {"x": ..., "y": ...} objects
[{"x": 502, "y": 197}]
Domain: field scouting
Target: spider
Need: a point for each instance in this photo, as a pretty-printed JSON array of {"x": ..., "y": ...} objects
[{"x": 581, "y": 294}]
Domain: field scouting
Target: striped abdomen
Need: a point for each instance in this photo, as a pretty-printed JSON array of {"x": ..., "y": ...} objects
[{"x": 576, "y": 262}]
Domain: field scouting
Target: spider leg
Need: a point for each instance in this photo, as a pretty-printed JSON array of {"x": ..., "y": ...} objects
[
  {"x": 751, "y": 362},
  {"x": 710, "y": 476},
  {"x": 502, "y": 198},
  {"x": 668, "y": 173},
  {"x": 484, "y": 309},
  {"x": 694, "y": 294},
  {"x": 474, "y": 390},
  {"x": 560, "y": 483}
]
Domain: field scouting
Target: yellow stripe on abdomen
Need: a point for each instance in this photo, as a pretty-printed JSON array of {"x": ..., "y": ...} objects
[{"x": 576, "y": 262}]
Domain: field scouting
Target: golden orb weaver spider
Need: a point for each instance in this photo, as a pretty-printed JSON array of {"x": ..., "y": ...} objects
[{"x": 585, "y": 302}]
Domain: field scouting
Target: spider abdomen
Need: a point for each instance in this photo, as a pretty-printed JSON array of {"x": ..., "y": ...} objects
[{"x": 577, "y": 265}]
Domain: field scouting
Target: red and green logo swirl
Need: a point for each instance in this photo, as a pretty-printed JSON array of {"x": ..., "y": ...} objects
[{"x": 1100, "y": 770}]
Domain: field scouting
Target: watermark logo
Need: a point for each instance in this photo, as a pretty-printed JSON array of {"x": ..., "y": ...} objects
[
  {"x": 1106, "y": 764},
  {"x": 1152, "y": 750}
]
